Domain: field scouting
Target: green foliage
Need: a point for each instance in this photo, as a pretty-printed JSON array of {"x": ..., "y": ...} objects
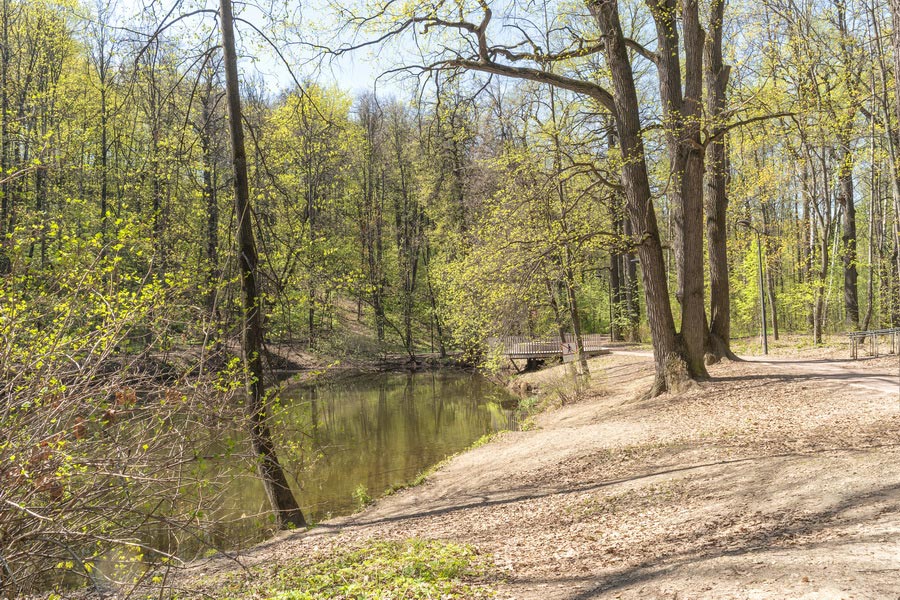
[
  {"x": 383, "y": 227},
  {"x": 361, "y": 496},
  {"x": 95, "y": 443},
  {"x": 415, "y": 568}
]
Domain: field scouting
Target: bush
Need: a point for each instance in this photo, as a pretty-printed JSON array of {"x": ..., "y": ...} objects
[{"x": 102, "y": 448}]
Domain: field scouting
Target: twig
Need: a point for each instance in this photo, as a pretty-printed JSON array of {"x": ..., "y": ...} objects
[{"x": 28, "y": 510}]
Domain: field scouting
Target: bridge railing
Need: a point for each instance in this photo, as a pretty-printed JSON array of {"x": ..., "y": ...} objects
[
  {"x": 527, "y": 347},
  {"x": 858, "y": 338}
]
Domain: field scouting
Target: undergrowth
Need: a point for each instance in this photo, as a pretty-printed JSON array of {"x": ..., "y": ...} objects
[{"x": 410, "y": 569}]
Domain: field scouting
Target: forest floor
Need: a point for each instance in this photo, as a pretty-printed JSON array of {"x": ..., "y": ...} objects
[{"x": 777, "y": 478}]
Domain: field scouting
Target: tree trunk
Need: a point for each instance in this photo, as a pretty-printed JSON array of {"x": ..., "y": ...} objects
[
  {"x": 895, "y": 43},
  {"x": 682, "y": 126},
  {"x": 693, "y": 310},
  {"x": 572, "y": 301},
  {"x": 671, "y": 369},
  {"x": 873, "y": 200},
  {"x": 615, "y": 296},
  {"x": 770, "y": 272},
  {"x": 5, "y": 210},
  {"x": 716, "y": 180},
  {"x": 624, "y": 308},
  {"x": 845, "y": 171},
  {"x": 380, "y": 283},
  {"x": 557, "y": 314},
  {"x": 848, "y": 238},
  {"x": 287, "y": 510},
  {"x": 211, "y": 201},
  {"x": 104, "y": 154},
  {"x": 435, "y": 315},
  {"x": 632, "y": 298}
]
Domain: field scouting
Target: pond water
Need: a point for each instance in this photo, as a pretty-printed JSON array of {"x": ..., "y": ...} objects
[
  {"x": 354, "y": 439},
  {"x": 379, "y": 432}
]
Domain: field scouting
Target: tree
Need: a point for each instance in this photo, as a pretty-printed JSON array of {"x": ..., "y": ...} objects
[
  {"x": 716, "y": 75},
  {"x": 679, "y": 357},
  {"x": 287, "y": 510}
]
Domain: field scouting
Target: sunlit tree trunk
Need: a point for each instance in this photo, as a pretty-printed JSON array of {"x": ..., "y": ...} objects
[
  {"x": 5, "y": 210},
  {"x": 848, "y": 236},
  {"x": 210, "y": 195},
  {"x": 632, "y": 293},
  {"x": 671, "y": 369},
  {"x": 716, "y": 74},
  {"x": 682, "y": 111},
  {"x": 615, "y": 294},
  {"x": 895, "y": 44}
]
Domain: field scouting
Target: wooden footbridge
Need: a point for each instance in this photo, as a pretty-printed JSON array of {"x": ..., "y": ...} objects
[{"x": 527, "y": 348}]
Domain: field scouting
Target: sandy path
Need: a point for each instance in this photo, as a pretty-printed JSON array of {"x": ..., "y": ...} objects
[
  {"x": 776, "y": 479},
  {"x": 836, "y": 373}
]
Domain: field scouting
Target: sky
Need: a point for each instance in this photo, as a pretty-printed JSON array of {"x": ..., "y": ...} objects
[{"x": 355, "y": 72}]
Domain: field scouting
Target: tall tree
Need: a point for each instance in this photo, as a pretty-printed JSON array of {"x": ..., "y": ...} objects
[
  {"x": 716, "y": 75},
  {"x": 671, "y": 368},
  {"x": 287, "y": 510}
]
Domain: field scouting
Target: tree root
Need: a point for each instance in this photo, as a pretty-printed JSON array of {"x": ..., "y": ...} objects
[{"x": 717, "y": 349}]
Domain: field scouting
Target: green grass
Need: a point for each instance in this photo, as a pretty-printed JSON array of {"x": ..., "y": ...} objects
[{"x": 410, "y": 569}]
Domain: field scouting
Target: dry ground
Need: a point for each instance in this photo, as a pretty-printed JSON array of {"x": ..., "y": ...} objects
[{"x": 776, "y": 479}]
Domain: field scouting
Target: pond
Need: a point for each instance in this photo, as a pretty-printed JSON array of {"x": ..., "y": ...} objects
[
  {"x": 381, "y": 432},
  {"x": 351, "y": 440}
]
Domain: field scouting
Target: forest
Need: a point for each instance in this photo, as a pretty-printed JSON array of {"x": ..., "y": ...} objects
[{"x": 174, "y": 215}]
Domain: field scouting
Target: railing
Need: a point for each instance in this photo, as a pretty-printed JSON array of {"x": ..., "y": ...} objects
[
  {"x": 858, "y": 338},
  {"x": 520, "y": 346}
]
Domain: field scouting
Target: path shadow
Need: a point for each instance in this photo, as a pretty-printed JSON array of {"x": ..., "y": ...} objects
[
  {"x": 531, "y": 494},
  {"x": 750, "y": 544},
  {"x": 788, "y": 377}
]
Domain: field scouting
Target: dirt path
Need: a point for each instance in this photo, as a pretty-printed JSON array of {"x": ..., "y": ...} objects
[
  {"x": 835, "y": 373},
  {"x": 776, "y": 479}
]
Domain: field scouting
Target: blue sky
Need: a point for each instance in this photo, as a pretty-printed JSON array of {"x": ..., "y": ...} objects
[{"x": 355, "y": 72}]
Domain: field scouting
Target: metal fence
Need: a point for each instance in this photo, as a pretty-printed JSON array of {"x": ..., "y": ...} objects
[{"x": 872, "y": 339}]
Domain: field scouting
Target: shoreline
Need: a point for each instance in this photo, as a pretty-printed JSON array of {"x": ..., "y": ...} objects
[{"x": 572, "y": 494}]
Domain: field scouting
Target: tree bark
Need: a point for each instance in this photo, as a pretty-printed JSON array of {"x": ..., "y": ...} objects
[
  {"x": 693, "y": 310},
  {"x": 5, "y": 209},
  {"x": 895, "y": 43},
  {"x": 210, "y": 197},
  {"x": 671, "y": 368},
  {"x": 287, "y": 510},
  {"x": 682, "y": 113},
  {"x": 845, "y": 171},
  {"x": 616, "y": 295},
  {"x": 104, "y": 151},
  {"x": 716, "y": 179},
  {"x": 435, "y": 314},
  {"x": 769, "y": 270},
  {"x": 848, "y": 237},
  {"x": 582, "y": 369},
  {"x": 632, "y": 297}
]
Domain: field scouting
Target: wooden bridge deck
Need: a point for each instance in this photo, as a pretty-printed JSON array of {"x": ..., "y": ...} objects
[{"x": 522, "y": 347}]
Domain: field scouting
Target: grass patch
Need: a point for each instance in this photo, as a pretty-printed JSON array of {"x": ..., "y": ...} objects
[
  {"x": 409, "y": 569},
  {"x": 361, "y": 497},
  {"x": 528, "y": 409}
]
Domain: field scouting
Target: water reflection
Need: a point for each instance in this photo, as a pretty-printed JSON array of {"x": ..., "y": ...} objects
[
  {"x": 366, "y": 433},
  {"x": 382, "y": 431}
]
